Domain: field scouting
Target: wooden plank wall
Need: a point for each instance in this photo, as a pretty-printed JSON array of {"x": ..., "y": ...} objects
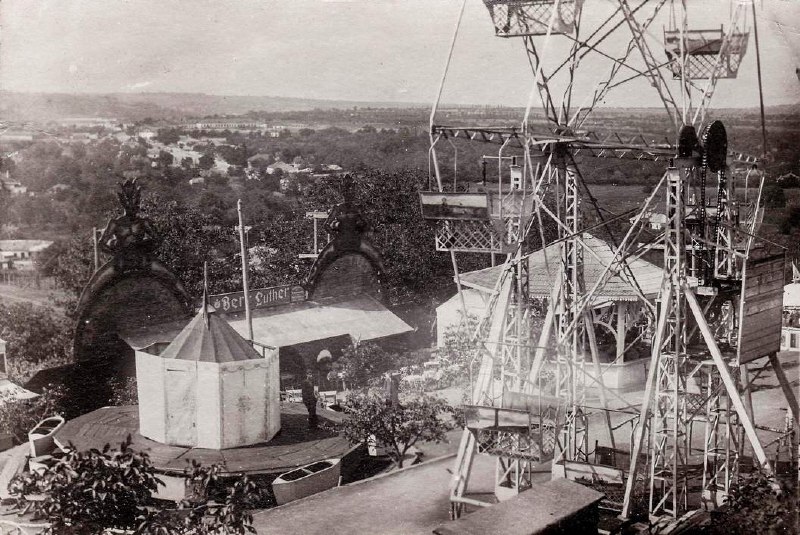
[{"x": 763, "y": 308}]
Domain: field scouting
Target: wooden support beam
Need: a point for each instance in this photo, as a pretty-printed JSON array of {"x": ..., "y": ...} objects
[{"x": 727, "y": 379}]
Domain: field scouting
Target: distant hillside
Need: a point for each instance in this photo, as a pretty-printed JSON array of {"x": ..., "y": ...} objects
[
  {"x": 42, "y": 107},
  {"x": 137, "y": 106}
]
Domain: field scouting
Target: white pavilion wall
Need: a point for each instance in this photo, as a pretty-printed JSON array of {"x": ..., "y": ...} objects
[
  {"x": 150, "y": 391},
  {"x": 181, "y": 395},
  {"x": 273, "y": 394},
  {"x": 209, "y": 406},
  {"x": 241, "y": 421}
]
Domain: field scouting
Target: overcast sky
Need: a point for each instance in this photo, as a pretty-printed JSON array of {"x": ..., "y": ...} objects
[{"x": 367, "y": 50}]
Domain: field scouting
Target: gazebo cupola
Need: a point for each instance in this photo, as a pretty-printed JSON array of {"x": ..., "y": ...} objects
[{"x": 208, "y": 389}]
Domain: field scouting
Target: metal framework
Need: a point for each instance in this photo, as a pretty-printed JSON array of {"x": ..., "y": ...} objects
[{"x": 704, "y": 261}]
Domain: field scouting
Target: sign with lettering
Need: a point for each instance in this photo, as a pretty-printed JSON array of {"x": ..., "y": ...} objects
[{"x": 262, "y": 298}]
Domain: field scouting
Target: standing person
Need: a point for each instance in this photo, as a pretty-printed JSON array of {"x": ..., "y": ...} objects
[{"x": 310, "y": 400}]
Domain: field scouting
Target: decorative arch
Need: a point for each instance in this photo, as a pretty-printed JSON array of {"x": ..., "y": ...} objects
[
  {"x": 131, "y": 290},
  {"x": 349, "y": 264},
  {"x": 116, "y": 299}
]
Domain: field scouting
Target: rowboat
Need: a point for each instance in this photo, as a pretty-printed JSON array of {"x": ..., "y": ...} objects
[
  {"x": 306, "y": 480},
  {"x": 41, "y": 436}
]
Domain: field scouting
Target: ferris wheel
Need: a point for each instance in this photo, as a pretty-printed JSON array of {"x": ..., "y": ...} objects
[{"x": 530, "y": 400}]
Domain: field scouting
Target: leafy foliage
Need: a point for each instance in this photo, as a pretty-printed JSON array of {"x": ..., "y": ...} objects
[
  {"x": 756, "y": 505},
  {"x": 398, "y": 426},
  {"x": 37, "y": 337},
  {"x": 87, "y": 493},
  {"x": 361, "y": 364},
  {"x": 461, "y": 351},
  {"x": 774, "y": 196},
  {"x": 123, "y": 392},
  {"x": 390, "y": 204}
]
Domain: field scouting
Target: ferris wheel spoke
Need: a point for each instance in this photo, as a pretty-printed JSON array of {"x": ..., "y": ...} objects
[
  {"x": 603, "y": 87},
  {"x": 541, "y": 81},
  {"x": 654, "y": 73}
]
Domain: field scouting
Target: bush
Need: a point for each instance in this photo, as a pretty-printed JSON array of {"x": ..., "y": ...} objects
[
  {"x": 123, "y": 392},
  {"x": 757, "y": 505},
  {"x": 87, "y": 493}
]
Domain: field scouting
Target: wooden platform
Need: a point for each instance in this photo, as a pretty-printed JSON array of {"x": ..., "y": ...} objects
[{"x": 294, "y": 446}]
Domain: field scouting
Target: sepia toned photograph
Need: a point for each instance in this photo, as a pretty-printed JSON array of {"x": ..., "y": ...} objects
[{"x": 452, "y": 267}]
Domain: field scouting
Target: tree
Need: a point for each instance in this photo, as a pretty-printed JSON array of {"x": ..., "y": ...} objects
[
  {"x": 362, "y": 363},
  {"x": 774, "y": 196},
  {"x": 188, "y": 238},
  {"x": 206, "y": 162},
  {"x": 168, "y": 136},
  {"x": 398, "y": 426},
  {"x": 460, "y": 352},
  {"x": 165, "y": 158}
]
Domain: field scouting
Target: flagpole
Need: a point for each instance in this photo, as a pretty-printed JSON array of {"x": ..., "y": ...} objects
[
  {"x": 205, "y": 294},
  {"x": 246, "y": 288}
]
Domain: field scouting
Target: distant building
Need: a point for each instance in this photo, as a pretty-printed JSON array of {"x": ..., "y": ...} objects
[
  {"x": 146, "y": 134},
  {"x": 275, "y": 131},
  {"x": 89, "y": 122},
  {"x": 58, "y": 188},
  {"x": 16, "y": 135},
  {"x": 83, "y": 137},
  {"x": 287, "y": 168},
  {"x": 216, "y": 141},
  {"x": 198, "y": 180},
  {"x": 260, "y": 157},
  {"x": 655, "y": 220},
  {"x": 790, "y": 330},
  {"x": 21, "y": 254},
  {"x": 228, "y": 125},
  {"x": 12, "y": 186},
  {"x": 220, "y": 165}
]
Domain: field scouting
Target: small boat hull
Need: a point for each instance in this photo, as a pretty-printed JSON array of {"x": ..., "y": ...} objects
[
  {"x": 41, "y": 437},
  {"x": 306, "y": 480}
]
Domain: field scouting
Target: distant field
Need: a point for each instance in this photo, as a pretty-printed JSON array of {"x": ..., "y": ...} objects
[
  {"x": 14, "y": 294},
  {"x": 621, "y": 198}
]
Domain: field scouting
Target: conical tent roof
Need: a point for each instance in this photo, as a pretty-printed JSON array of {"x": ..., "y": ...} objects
[{"x": 209, "y": 338}]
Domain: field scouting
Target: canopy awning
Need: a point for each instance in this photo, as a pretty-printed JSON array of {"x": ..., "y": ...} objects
[
  {"x": 363, "y": 318},
  {"x": 14, "y": 391}
]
